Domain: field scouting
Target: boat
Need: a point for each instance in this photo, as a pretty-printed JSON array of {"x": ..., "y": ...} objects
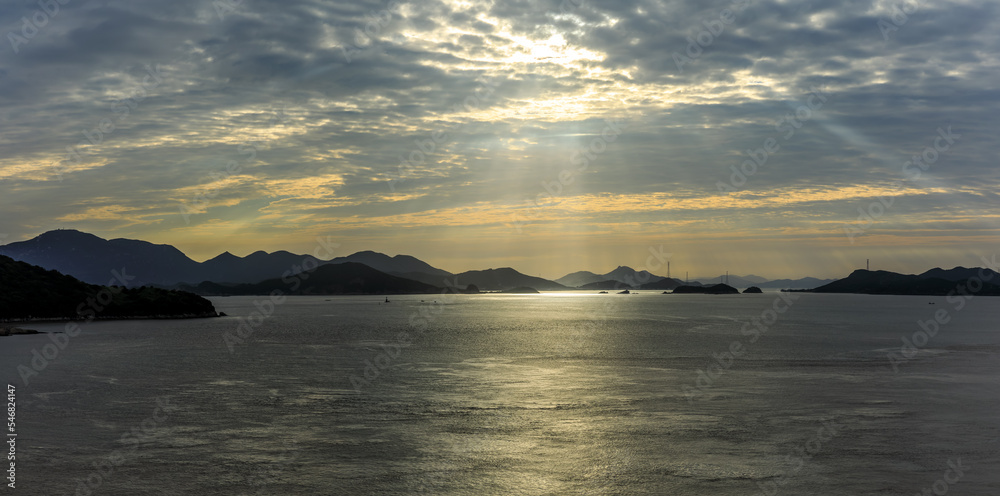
[{"x": 624, "y": 292}]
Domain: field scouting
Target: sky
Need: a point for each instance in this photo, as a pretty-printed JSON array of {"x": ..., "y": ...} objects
[{"x": 784, "y": 139}]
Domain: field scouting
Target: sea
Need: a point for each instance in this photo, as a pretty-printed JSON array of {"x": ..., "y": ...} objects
[{"x": 569, "y": 393}]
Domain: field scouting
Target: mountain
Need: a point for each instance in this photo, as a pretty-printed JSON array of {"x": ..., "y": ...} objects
[
  {"x": 92, "y": 259},
  {"x": 580, "y": 279},
  {"x": 667, "y": 283},
  {"x": 254, "y": 267},
  {"x": 960, "y": 274},
  {"x": 803, "y": 283},
  {"x": 629, "y": 277},
  {"x": 735, "y": 281},
  {"x": 432, "y": 279},
  {"x": 399, "y": 264},
  {"x": 31, "y": 292},
  {"x": 605, "y": 285},
  {"x": 890, "y": 283},
  {"x": 329, "y": 279},
  {"x": 505, "y": 278}
]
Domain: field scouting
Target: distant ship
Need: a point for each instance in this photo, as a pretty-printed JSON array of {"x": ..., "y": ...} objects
[{"x": 624, "y": 292}]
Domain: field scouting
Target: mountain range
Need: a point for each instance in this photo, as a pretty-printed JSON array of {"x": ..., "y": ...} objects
[
  {"x": 625, "y": 275},
  {"x": 93, "y": 259},
  {"x": 329, "y": 279}
]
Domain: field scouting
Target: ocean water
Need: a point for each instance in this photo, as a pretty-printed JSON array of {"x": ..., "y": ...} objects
[{"x": 518, "y": 394}]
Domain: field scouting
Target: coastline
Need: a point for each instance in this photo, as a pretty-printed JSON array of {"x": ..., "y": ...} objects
[{"x": 11, "y": 331}]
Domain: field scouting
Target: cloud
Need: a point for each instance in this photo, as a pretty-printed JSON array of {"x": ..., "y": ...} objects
[{"x": 334, "y": 98}]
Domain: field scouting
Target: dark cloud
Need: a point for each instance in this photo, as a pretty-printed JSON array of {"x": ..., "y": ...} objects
[{"x": 363, "y": 87}]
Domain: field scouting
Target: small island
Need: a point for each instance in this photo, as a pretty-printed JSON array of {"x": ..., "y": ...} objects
[
  {"x": 752, "y": 289},
  {"x": 715, "y": 290}
]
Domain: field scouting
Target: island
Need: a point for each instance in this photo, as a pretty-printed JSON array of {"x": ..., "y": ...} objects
[
  {"x": 714, "y": 290},
  {"x": 28, "y": 293},
  {"x": 752, "y": 289},
  {"x": 935, "y": 282}
]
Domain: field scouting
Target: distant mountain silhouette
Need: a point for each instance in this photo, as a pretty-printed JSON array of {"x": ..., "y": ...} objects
[
  {"x": 733, "y": 280},
  {"x": 645, "y": 280},
  {"x": 628, "y": 276},
  {"x": 432, "y": 279},
  {"x": 329, "y": 279},
  {"x": 668, "y": 283},
  {"x": 91, "y": 259},
  {"x": 605, "y": 285},
  {"x": 803, "y": 283},
  {"x": 31, "y": 292},
  {"x": 254, "y": 267},
  {"x": 397, "y": 265},
  {"x": 632, "y": 277},
  {"x": 890, "y": 283},
  {"x": 521, "y": 290},
  {"x": 505, "y": 278},
  {"x": 960, "y": 274},
  {"x": 580, "y": 279}
]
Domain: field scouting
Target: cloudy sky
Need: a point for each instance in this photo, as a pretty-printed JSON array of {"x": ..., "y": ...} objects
[{"x": 551, "y": 136}]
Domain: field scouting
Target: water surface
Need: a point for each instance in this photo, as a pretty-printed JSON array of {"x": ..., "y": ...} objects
[{"x": 517, "y": 394}]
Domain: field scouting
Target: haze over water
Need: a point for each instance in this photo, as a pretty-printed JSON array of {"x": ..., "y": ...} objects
[{"x": 537, "y": 394}]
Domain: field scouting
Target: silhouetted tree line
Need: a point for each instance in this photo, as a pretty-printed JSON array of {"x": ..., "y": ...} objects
[{"x": 30, "y": 292}]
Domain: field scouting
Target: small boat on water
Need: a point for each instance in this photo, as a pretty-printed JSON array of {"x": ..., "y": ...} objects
[{"x": 624, "y": 292}]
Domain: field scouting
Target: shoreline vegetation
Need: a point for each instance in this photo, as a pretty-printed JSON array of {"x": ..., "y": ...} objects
[{"x": 32, "y": 294}]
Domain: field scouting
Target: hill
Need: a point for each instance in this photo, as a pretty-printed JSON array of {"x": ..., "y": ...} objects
[
  {"x": 505, "y": 278},
  {"x": 890, "y": 283},
  {"x": 668, "y": 283},
  {"x": 30, "y": 292},
  {"x": 330, "y": 279},
  {"x": 803, "y": 283},
  {"x": 715, "y": 289},
  {"x": 580, "y": 279},
  {"x": 92, "y": 259},
  {"x": 605, "y": 285},
  {"x": 960, "y": 274},
  {"x": 628, "y": 276},
  {"x": 733, "y": 280},
  {"x": 397, "y": 265}
]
